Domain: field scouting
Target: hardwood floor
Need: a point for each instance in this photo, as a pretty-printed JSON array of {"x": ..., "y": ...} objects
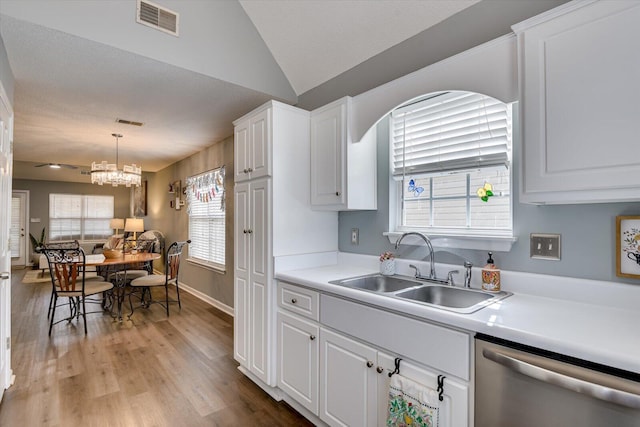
[{"x": 152, "y": 371}]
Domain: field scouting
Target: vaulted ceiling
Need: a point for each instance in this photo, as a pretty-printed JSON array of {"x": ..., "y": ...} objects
[{"x": 79, "y": 66}]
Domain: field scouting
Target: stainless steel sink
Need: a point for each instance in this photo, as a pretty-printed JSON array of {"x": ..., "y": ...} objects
[
  {"x": 460, "y": 300},
  {"x": 446, "y": 296},
  {"x": 377, "y": 283}
]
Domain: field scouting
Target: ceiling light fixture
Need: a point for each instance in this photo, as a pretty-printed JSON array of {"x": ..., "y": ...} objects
[{"x": 108, "y": 173}]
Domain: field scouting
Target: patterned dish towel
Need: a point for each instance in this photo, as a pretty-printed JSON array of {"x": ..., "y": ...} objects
[{"x": 412, "y": 404}]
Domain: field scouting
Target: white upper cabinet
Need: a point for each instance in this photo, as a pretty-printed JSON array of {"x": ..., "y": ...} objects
[
  {"x": 343, "y": 172},
  {"x": 579, "y": 71},
  {"x": 253, "y": 146}
]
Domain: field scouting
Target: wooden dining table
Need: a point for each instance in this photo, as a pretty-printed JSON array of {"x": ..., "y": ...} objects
[{"x": 119, "y": 265}]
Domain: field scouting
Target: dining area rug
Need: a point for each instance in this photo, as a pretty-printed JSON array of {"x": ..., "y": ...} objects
[{"x": 36, "y": 276}]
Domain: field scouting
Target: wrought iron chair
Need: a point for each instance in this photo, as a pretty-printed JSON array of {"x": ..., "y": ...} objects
[
  {"x": 67, "y": 268},
  {"x": 137, "y": 271},
  {"x": 170, "y": 277}
]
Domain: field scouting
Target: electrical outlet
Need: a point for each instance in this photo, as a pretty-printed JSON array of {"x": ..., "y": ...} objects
[
  {"x": 545, "y": 246},
  {"x": 355, "y": 236}
]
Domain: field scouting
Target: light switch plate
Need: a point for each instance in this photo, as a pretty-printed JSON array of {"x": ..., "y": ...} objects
[{"x": 545, "y": 246}]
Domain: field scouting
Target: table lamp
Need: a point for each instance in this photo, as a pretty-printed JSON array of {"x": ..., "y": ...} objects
[
  {"x": 135, "y": 225},
  {"x": 116, "y": 224}
]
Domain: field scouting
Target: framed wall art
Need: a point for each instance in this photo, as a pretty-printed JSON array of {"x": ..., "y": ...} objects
[
  {"x": 628, "y": 246},
  {"x": 139, "y": 195}
]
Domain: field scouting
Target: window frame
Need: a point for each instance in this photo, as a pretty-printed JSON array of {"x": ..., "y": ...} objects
[
  {"x": 192, "y": 182},
  {"x": 84, "y": 198},
  {"x": 449, "y": 237}
]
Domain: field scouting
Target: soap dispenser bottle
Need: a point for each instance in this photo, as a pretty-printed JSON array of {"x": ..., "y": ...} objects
[{"x": 491, "y": 276}]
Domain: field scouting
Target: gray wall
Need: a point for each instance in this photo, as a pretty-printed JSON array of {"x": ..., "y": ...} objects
[
  {"x": 6, "y": 75},
  {"x": 588, "y": 230},
  {"x": 39, "y": 198},
  {"x": 175, "y": 223}
]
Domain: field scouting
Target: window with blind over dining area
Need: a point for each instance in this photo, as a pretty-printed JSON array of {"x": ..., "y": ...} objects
[
  {"x": 80, "y": 217},
  {"x": 205, "y": 205}
]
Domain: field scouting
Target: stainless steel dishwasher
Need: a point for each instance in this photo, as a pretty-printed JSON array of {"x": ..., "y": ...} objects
[{"x": 521, "y": 386}]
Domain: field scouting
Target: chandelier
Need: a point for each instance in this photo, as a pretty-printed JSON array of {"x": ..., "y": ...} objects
[{"x": 108, "y": 173}]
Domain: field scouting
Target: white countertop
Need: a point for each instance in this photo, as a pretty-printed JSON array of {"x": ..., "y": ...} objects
[{"x": 606, "y": 332}]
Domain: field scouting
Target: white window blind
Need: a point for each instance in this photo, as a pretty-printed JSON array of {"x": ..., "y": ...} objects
[
  {"x": 81, "y": 217},
  {"x": 450, "y": 131},
  {"x": 205, "y": 198}
]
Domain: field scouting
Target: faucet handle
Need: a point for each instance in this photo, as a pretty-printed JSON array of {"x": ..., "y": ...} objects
[
  {"x": 416, "y": 269},
  {"x": 450, "y": 277}
]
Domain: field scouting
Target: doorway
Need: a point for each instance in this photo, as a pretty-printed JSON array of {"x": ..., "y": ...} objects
[{"x": 19, "y": 245}]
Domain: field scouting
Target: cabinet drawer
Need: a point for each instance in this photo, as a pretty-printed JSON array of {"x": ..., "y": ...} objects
[
  {"x": 304, "y": 302},
  {"x": 444, "y": 349}
]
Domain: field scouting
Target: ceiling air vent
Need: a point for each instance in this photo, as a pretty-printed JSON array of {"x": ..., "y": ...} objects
[{"x": 157, "y": 17}]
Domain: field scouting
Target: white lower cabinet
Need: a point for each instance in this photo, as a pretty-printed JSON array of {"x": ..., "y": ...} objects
[
  {"x": 342, "y": 378},
  {"x": 348, "y": 383},
  {"x": 298, "y": 362}
]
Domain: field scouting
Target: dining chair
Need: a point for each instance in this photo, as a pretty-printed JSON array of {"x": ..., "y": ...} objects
[
  {"x": 67, "y": 264},
  {"x": 136, "y": 271},
  {"x": 70, "y": 244},
  {"x": 143, "y": 285}
]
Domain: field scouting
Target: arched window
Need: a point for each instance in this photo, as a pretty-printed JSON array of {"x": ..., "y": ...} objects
[{"x": 450, "y": 162}]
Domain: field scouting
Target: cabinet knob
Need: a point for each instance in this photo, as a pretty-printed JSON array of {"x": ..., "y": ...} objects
[
  {"x": 244, "y": 231},
  {"x": 293, "y": 300},
  {"x": 312, "y": 337},
  {"x": 249, "y": 231},
  {"x": 244, "y": 170},
  {"x": 250, "y": 170},
  {"x": 337, "y": 193},
  {"x": 379, "y": 369},
  {"x": 369, "y": 364}
]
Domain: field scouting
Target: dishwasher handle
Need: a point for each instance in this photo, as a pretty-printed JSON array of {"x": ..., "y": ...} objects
[{"x": 608, "y": 394}]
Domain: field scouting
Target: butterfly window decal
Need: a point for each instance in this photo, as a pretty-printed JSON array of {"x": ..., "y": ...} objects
[
  {"x": 413, "y": 189},
  {"x": 485, "y": 192}
]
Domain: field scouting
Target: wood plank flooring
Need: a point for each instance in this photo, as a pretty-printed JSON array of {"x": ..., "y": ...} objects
[{"x": 151, "y": 371}]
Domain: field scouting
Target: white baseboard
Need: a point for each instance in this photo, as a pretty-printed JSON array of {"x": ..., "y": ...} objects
[{"x": 209, "y": 300}]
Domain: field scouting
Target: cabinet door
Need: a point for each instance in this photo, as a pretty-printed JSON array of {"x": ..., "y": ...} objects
[
  {"x": 580, "y": 86},
  {"x": 348, "y": 383},
  {"x": 454, "y": 408},
  {"x": 328, "y": 142},
  {"x": 241, "y": 275},
  {"x": 260, "y": 292},
  {"x": 242, "y": 150},
  {"x": 298, "y": 359},
  {"x": 260, "y": 144}
]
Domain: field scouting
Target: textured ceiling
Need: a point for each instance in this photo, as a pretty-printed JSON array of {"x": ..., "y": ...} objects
[{"x": 69, "y": 90}]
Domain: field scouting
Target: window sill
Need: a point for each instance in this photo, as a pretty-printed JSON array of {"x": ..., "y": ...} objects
[
  {"x": 486, "y": 243},
  {"x": 208, "y": 266}
]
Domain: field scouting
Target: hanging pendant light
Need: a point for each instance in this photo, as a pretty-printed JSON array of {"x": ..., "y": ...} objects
[{"x": 108, "y": 173}]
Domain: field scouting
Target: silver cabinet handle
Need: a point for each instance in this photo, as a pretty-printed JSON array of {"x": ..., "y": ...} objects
[
  {"x": 379, "y": 369},
  {"x": 598, "y": 391},
  {"x": 369, "y": 363},
  {"x": 5, "y": 275}
]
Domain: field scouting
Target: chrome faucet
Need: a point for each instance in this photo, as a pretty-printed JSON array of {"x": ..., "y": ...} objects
[{"x": 432, "y": 267}]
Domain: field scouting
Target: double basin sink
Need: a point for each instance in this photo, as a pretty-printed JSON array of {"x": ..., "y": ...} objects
[{"x": 431, "y": 293}]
